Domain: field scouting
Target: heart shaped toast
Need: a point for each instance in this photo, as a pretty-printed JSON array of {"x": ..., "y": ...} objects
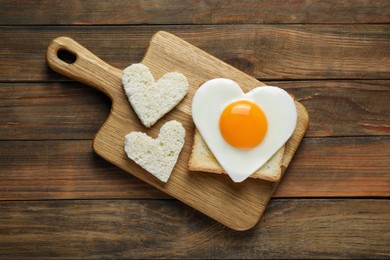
[
  {"x": 157, "y": 156},
  {"x": 152, "y": 100}
]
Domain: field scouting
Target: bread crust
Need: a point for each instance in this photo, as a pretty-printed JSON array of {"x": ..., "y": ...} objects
[{"x": 202, "y": 159}]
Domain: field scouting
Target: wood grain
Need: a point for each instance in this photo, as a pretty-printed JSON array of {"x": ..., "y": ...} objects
[
  {"x": 344, "y": 108},
  {"x": 36, "y": 170},
  {"x": 339, "y": 167},
  {"x": 51, "y": 111},
  {"x": 322, "y": 167},
  {"x": 192, "y": 12},
  {"x": 266, "y": 52},
  {"x": 61, "y": 110},
  {"x": 166, "y": 53},
  {"x": 169, "y": 229}
]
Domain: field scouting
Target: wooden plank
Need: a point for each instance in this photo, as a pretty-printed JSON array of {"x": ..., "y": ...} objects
[
  {"x": 168, "y": 229},
  {"x": 51, "y": 111},
  {"x": 64, "y": 170},
  {"x": 192, "y": 12},
  {"x": 343, "y": 108},
  {"x": 322, "y": 167},
  {"x": 31, "y": 111},
  {"x": 264, "y": 51},
  {"x": 339, "y": 167}
]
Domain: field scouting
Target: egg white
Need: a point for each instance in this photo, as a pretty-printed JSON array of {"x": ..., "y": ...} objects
[{"x": 279, "y": 108}]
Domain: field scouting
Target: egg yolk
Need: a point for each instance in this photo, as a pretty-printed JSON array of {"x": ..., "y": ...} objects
[{"x": 243, "y": 124}]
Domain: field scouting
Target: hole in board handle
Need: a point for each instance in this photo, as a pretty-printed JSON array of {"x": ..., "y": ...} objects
[{"x": 66, "y": 56}]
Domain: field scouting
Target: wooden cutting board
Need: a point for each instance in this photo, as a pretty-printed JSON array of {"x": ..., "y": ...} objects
[{"x": 236, "y": 205}]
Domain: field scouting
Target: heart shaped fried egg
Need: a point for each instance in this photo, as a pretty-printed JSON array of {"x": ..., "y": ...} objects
[{"x": 243, "y": 131}]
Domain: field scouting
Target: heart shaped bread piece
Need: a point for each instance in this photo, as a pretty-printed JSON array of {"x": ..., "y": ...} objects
[
  {"x": 215, "y": 95},
  {"x": 152, "y": 100},
  {"x": 157, "y": 156}
]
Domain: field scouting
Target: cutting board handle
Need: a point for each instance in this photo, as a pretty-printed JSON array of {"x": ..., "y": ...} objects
[{"x": 84, "y": 67}]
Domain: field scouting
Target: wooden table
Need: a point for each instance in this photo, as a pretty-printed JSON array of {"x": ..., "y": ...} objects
[{"x": 59, "y": 199}]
